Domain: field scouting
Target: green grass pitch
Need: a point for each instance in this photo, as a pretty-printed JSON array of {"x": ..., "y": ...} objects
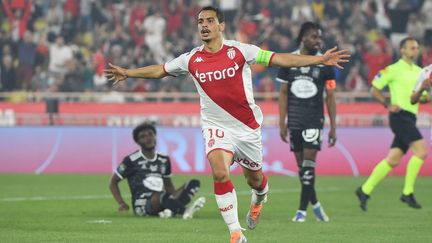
[{"x": 79, "y": 208}]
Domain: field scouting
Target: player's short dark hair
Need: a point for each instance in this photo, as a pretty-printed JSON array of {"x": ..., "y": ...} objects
[
  {"x": 142, "y": 127},
  {"x": 219, "y": 13},
  {"x": 405, "y": 40},
  {"x": 306, "y": 27}
]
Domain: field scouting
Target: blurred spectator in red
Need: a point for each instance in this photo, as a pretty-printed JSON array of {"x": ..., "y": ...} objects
[
  {"x": 174, "y": 14},
  {"x": 426, "y": 57},
  {"x": 136, "y": 19},
  {"x": 267, "y": 87},
  {"x": 18, "y": 13},
  {"x": 375, "y": 58},
  {"x": 98, "y": 63},
  {"x": 140, "y": 85},
  {"x": 354, "y": 80},
  {"x": 72, "y": 7}
]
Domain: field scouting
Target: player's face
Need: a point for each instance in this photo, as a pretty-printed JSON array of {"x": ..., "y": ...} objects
[
  {"x": 410, "y": 49},
  {"x": 312, "y": 40},
  {"x": 208, "y": 25},
  {"x": 147, "y": 139}
]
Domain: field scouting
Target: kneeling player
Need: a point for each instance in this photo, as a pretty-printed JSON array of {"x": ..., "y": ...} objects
[{"x": 149, "y": 177}]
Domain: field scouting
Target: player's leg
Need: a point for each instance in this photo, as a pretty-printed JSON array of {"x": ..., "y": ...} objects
[
  {"x": 226, "y": 197},
  {"x": 165, "y": 205},
  {"x": 419, "y": 150},
  {"x": 259, "y": 184},
  {"x": 185, "y": 194},
  {"x": 296, "y": 146},
  {"x": 220, "y": 151},
  {"x": 307, "y": 180},
  {"x": 187, "y": 191},
  {"x": 378, "y": 174},
  {"x": 249, "y": 155},
  {"x": 308, "y": 183}
]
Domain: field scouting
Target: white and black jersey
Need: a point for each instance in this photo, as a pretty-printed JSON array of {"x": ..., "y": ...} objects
[
  {"x": 144, "y": 175},
  {"x": 305, "y": 94}
]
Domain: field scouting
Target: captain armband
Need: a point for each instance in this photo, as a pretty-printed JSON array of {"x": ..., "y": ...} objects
[
  {"x": 330, "y": 84},
  {"x": 264, "y": 57}
]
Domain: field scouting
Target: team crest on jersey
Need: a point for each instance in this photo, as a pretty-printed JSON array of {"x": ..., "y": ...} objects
[
  {"x": 122, "y": 168},
  {"x": 315, "y": 72},
  {"x": 231, "y": 53},
  {"x": 304, "y": 69},
  {"x": 211, "y": 143}
]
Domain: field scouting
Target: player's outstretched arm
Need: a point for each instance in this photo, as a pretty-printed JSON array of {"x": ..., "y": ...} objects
[
  {"x": 117, "y": 74},
  {"x": 418, "y": 92},
  {"x": 331, "y": 57}
]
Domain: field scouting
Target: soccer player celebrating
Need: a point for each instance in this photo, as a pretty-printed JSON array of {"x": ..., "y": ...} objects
[
  {"x": 401, "y": 78},
  {"x": 148, "y": 173},
  {"x": 301, "y": 98},
  {"x": 231, "y": 121}
]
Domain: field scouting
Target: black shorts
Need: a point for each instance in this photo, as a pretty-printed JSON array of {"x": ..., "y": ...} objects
[
  {"x": 142, "y": 205},
  {"x": 310, "y": 138},
  {"x": 403, "y": 125}
]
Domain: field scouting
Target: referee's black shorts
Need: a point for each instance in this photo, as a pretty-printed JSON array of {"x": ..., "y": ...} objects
[{"x": 403, "y": 125}]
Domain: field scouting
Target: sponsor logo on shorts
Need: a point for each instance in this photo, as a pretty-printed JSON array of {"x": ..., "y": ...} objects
[
  {"x": 211, "y": 143},
  {"x": 247, "y": 162}
]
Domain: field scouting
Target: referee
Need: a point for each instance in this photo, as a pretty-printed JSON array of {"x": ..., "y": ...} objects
[{"x": 401, "y": 78}]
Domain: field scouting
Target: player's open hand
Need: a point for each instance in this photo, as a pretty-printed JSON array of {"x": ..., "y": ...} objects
[
  {"x": 115, "y": 73},
  {"x": 123, "y": 208},
  {"x": 332, "y": 138},
  {"x": 333, "y": 57},
  {"x": 283, "y": 131}
]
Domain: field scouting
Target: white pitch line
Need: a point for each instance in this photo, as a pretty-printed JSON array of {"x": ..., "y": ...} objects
[{"x": 97, "y": 197}]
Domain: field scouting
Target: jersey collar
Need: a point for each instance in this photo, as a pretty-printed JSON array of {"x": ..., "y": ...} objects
[{"x": 153, "y": 159}]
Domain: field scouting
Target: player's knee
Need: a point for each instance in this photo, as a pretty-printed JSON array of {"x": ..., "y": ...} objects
[
  {"x": 220, "y": 175},
  {"x": 307, "y": 173},
  {"x": 254, "y": 182},
  {"x": 422, "y": 155},
  {"x": 393, "y": 162}
]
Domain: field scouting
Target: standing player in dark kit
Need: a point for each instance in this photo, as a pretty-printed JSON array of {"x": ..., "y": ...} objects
[
  {"x": 301, "y": 98},
  {"x": 148, "y": 173}
]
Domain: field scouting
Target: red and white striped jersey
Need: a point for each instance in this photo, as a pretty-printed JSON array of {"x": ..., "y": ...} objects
[{"x": 224, "y": 83}]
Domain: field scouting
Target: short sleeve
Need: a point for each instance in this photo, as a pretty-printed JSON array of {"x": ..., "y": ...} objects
[
  {"x": 283, "y": 75},
  {"x": 178, "y": 66},
  {"x": 426, "y": 73},
  {"x": 382, "y": 79},
  {"x": 167, "y": 170},
  {"x": 124, "y": 170},
  {"x": 250, "y": 52}
]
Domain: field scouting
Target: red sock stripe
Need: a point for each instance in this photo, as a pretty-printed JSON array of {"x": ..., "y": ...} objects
[
  {"x": 221, "y": 188},
  {"x": 264, "y": 183}
]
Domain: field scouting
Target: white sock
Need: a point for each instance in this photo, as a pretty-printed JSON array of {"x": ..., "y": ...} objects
[
  {"x": 227, "y": 204},
  {"x": 259, "y": 196}
]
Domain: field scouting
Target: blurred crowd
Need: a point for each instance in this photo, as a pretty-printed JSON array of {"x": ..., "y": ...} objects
[{"x": 64, "y": 45}]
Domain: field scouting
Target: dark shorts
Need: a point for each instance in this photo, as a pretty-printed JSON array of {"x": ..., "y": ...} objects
[
  {"x": 310, "y": 138},
  {"x": 142, "y": 205},
  {"x": 403, "y": 125}
]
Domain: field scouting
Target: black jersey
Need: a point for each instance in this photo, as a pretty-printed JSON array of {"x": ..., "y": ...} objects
[
  {"x": 144, "y": 175},
  {"x": 305, "y": 94}
]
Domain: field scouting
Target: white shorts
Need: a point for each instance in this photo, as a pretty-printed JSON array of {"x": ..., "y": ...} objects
[{"x": 247, "y": 149}]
